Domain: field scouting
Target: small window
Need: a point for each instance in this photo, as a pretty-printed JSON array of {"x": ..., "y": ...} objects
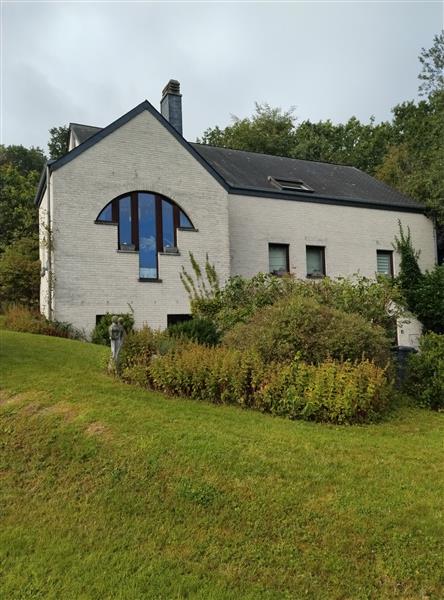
[
  {"x": 184, "y": 221},
  {"x": 278, "y": 257},
  {"x": 173, "y": 319},
  {"x": 384, "y": 262},
  {"x": 315, "y": 261},
  {"x": 106, "y": 216},
  {"x": 290, "y": 185},
  {"x": 125, "y": 224}
]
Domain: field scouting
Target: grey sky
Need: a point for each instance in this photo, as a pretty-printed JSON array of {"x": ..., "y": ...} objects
[{"x": 91, "y": 62}]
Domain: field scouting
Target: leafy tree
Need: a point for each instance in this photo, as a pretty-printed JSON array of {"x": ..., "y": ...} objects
[
  {"x": 59, "y": 141},
  {"x": 432, "y": 61},
  {"x": 269, "y": 130},
  {"x": 24, "y": 159},
  {"x": 20, "y": 273},
  {"x": 18, "y": 215}
]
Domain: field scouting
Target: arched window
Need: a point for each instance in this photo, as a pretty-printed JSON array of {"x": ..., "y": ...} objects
[{"x": 147, "y": 223}]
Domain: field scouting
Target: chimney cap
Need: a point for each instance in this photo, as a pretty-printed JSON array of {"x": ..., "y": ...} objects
[{"x": 172, "y": 87}]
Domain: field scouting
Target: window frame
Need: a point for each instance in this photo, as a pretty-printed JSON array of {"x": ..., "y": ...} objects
[
  {"x": 290, "y": 185},
  {"x": 286, "y": 247},
  {"x": 385, "y": 253},
  {"x": 324, "y": 269},
  {"x": 134, "y": 208}
]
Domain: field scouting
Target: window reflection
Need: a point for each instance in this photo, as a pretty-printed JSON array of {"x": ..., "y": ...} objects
[
  {"x": 147, "y": 237},
  {"x": 125, "y": 237},
  {"x": 167, "y": 224}
]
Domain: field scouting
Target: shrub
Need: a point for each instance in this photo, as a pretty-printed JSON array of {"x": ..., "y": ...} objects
[
  {"x": 218, "y": 375},
  {"x": 20, "y": 273},
  {"x": 425, "y": 378},
  {"x": 429, "y": 300},
  {"x": 20, "y": 318},
  {"x": 138, "y": 349},
  {"x": 202, "y": 331},
  {"x": 315, "y": 331},
  {"x": 332, "y": 392},
  {"x": 100, "y": 333}
]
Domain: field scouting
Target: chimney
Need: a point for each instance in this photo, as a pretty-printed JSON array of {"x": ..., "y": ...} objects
[{"x": 171, "y": 104}]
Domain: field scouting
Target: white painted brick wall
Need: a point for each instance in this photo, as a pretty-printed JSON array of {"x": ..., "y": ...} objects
[
  {"x": 91, "y": 277},
  {"x": 351, "y": 236}
]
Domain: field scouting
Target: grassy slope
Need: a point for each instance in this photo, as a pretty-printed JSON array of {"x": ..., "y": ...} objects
[{"x": 107, "y": 491}]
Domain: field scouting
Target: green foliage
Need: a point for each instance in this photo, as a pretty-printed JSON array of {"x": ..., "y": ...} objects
[
  {"x": 23, "y": 159},
  {"x": 432, "y": 61},
  {"x": 197, "y": 286},
  {"x": 18, "y": 215},
  {"x": 59, "y": 141},
  {"x": 202, "y": 331},
  {"x": 425, "y": 380},
  {"x": 139, "y": 348},
  {"x": 330, "y": 392},
  {"x": 23, "y": 319},
  {"x": 212, "y": 374},
  {"x": 100, "y": 333},
  {"x": 429, "y": 300},
  {"x": 298, "y": 325},
  {"x": 269, "y": 130},
  {"x": 410, "y": 275},
  {"x": 20, "y": 273}
]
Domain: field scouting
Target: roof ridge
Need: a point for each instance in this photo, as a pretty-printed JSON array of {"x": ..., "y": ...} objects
[{"x": 322, "y": 162}]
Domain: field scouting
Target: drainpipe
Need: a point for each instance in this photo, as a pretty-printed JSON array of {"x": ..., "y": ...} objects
[{"x": 49, "y": 245}]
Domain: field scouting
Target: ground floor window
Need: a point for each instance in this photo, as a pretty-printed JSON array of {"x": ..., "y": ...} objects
[
  {"x": 384, "y": 262},
  {"x": 278, "y": 258},
  {"x": 173, "y": 319},
  {"x": 315, "y": 256}
]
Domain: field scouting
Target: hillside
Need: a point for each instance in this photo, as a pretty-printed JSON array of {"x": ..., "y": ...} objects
[{"x": 109, "y": 491}]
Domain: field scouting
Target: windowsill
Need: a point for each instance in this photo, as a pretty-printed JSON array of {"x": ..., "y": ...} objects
[
  {"x": 315, "y": 276},
  {"x": 169, "y": 253},
  {"x": 187, "y": 229},
  {"x": 105, "y": 223},
  {"x": 146, "y": 279},
  {"x": 127, "y": 251}
]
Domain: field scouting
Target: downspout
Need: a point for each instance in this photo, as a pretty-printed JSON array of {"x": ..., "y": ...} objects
[{"x": 49, "y": 244}]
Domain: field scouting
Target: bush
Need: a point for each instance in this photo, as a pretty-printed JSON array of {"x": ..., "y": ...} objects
[
  {"x": 139, "y": 347},
  {"x": 100, "y": 333},
  {"x": 20, "y": 318},
  {"x": 202, "y": 331},
  {"x": 332, "y": 392},
  {"x": 425, "y": 378},
  {"x": 20, "y": 273},
  {"x": 429, "y": 300},
  {"x": 218, "y": 375},
  {"x": 315, "y": 331}
]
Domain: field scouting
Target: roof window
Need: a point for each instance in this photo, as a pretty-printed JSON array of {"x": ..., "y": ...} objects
[{"x": 290, "y": 185}]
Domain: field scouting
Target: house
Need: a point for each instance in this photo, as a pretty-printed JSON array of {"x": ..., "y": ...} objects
[{"x": 121, "y": 211}]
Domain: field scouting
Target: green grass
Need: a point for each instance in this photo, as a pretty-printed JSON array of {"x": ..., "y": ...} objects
[{"x": 108, "y": 491}]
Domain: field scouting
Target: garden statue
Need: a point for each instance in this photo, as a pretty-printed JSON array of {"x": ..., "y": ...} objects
[{"x": 116, "y": 335}]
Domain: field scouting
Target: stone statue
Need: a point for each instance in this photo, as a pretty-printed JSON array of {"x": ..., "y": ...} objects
[{"x": 116, "y": 335}]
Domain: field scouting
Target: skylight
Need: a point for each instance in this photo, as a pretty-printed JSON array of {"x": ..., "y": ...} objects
[{"x": 290, "y": 185}]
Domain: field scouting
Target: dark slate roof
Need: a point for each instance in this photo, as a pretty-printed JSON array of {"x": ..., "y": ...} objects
[
  {"x": 247, "y": 173},
  {"x": 250, "y": 171},
  {"x": 83, "y": 132}
]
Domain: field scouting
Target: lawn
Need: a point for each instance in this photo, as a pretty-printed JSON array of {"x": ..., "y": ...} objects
[{"x": 109, "y": 491}]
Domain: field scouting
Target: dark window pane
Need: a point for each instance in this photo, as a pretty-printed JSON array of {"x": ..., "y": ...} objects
[
  {"x": 278, "y": 258},
  {"x": 384, "y": 262},
  {"x": 167, "y": 224},
  {"x": 125, "y": 238},
  {"x": 315, "y": 261},
  {"x": 147, "y": 237},
  {"x": 184, "y": 221},
  {"x": 106, "y": 214}
]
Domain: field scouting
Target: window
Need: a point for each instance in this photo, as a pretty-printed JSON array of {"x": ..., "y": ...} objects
[
  {"x": 290, "y": 185},
  {"x": 384, "y": 262},
  {"x": 278, "y": 257},
  {"x": 173, "y": 319},
  {"x": 315, "y": 261},
  {"x": 147, "y": 224}
]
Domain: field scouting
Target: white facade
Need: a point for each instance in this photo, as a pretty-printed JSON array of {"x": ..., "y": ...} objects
[{"x": 91, "y": 277}]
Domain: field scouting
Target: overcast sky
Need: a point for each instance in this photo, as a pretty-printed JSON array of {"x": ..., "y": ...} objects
[{"x": 90, "y": 62}]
